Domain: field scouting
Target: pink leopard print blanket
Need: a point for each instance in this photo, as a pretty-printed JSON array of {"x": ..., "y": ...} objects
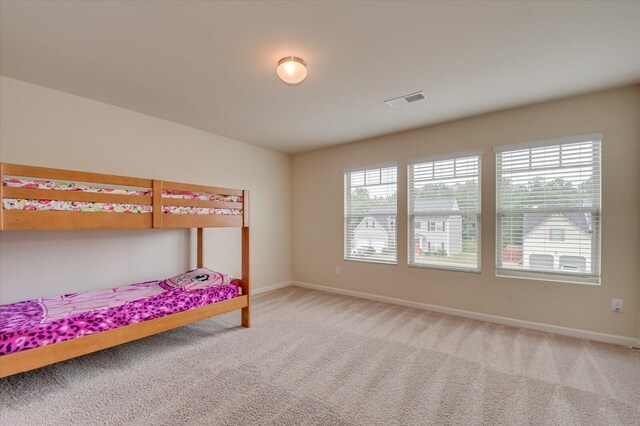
[{"x": 31, "y": 324}]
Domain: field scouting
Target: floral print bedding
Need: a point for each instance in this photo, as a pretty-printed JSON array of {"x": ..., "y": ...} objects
[
  {"x": 59, "y": 185},
  {"x": 73, "y": 206},
  {"x": 199, "y": 210},
  {"x": 190, "y": 195},
  {"x": 72, "y": 186},
  {"x": 87, "y": 206},
  {"x": 41, "y": 322}
]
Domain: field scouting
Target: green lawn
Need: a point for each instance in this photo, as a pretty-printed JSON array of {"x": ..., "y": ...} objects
[{"x": 464, "y": 259}]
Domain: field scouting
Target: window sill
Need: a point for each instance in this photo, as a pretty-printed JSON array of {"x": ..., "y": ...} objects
[
  {"x": 376, "y": 262},
  {"x": 541, "y": 276},
  {"x": 444, "y": 268}
]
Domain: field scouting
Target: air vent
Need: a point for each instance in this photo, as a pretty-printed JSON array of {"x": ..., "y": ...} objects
[{"x": 413, "y": 97}]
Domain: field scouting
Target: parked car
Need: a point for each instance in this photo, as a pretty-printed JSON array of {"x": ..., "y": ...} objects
[{"x": 512, "y": 254}]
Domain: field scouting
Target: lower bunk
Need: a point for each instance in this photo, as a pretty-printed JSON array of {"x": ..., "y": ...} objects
[{"x": 44, "y": 331}]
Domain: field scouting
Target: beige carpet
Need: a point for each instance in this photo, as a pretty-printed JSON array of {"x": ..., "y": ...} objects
[{"x": 314, "y": 358}]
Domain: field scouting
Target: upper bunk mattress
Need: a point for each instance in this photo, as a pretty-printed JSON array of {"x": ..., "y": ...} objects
[{"x": 40, "y": 322}]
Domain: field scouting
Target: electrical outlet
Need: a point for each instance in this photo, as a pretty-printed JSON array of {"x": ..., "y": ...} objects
[
  {"x": 616, "y": 305},
  {"x": 338, "y": 270}
]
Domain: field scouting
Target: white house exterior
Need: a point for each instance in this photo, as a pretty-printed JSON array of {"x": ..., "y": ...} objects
[
  {"x": 374, "y": 232},
  {"x": 433, "y": 233},
  {"x": 560, "y": 242},
  {"x": 437, "y": 232}
]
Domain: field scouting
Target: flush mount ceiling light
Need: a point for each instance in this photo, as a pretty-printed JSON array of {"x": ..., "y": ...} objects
[{"x": 292, "y": 70}]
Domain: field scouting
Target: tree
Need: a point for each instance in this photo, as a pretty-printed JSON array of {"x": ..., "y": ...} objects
[
  {"x": 439, "y": 190},
  {"x": 468, "y": 198}
]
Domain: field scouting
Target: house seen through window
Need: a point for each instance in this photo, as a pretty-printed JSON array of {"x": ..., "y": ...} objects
[
  {"x": 444, "y": 212},
  {"x": 370, "y": 211},
  {"x": 548, "y": 210}
]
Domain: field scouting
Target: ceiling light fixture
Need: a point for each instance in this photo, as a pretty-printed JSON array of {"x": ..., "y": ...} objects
[{"x": 292, "y": 70}]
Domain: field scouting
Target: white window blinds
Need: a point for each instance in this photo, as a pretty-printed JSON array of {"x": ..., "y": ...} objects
[
  {"x": 548, "y": 209},
  {"x": 444, "y": 213},
  {"x": 370, "y": 210}
]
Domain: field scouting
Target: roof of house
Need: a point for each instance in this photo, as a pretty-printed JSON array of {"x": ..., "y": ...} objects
[
  {"x": 380, "y": 213},
  {"x": 381, "y": 210},
  {"x": 532, "y": 220},
  {"x": 383, "y": 222}
]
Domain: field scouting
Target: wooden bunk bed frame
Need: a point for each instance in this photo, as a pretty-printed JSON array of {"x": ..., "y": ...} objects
[{"x": 30, "y": 359}]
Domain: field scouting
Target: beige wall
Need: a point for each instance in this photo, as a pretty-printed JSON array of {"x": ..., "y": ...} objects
[
  {"x": 44, "y": 127},
  {"x": 318, "y": 216}
]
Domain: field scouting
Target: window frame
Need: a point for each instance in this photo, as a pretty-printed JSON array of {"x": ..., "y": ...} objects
[
  {"x": 347, "y": 199},
  {"x": 593, "y": 278},
  {"x": 411, "y": 241}
]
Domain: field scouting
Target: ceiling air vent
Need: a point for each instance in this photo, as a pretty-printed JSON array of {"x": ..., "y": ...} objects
[{"x": 402, "y": 100}]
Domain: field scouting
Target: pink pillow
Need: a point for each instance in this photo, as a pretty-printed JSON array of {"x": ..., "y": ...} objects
[{"x": 198, "y": 279}]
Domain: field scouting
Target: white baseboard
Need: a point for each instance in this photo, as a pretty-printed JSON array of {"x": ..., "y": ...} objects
[
  {"x": 260, "y": 290},
  {"x": 548, "y": 328}
]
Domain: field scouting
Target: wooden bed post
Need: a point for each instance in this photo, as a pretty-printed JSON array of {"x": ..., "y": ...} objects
[
  {"x": 1, "y": 195},
  {"x": 200, "y": 261},
  {"x": 157, "y": 203},
  {"x": 246, "y": 282}
]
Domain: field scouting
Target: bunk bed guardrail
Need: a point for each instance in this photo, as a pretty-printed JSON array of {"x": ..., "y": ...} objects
[{"x": 159, "y": 196}]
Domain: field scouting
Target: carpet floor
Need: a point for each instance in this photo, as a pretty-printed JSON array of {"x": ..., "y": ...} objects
[{"x": 314, "y": 358}]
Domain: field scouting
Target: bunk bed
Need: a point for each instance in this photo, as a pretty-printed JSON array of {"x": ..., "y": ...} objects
[{"x": 39, "y": 198}]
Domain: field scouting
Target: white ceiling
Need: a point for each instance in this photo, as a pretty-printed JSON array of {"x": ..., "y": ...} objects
[{"x": 211, "y": 65}]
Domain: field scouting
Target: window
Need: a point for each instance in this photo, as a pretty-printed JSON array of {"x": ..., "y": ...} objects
[
  {"x": 556, "y": 234},
  {"x": 391, "y": 220},
  {"x": 370, "y": 211},
  {"x": 548, "y": 210},
  {"x": 435, "y": 226},
  {"x": 445, "y": 193}
]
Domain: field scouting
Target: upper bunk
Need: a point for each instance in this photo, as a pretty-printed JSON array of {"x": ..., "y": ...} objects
[{"x": 41, "y": 198}]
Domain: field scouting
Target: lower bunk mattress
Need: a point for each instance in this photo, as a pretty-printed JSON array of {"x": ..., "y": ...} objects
[{"x": 40, "y": 322}]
